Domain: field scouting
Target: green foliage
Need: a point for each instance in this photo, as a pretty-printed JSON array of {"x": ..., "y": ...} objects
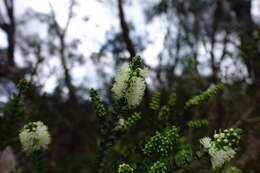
[
  {"x": 204, "y": 97},
  {"x": 164, "y": 112},
  {"x": 166, "y": 109},
  {"x": 99, "y": 107},
  {"x": 13, "y": 115},
  {"x": 162, "y": 142},
  {"x": 23, "y": 85},
  {"x": 108, "y": 134},
  {"x": 37, "y": 160},
  {"x": 155, "y": 101},
  {"x": 233, "y": 169},
  {"x": 158, "y": 167},
  {"x": 135, "y": 63},
  {"x": 109, "y": 127},
  {"x": 184, "y": 153},
  {"x": 172, "y": 99},
  {"x": 125, "y": 168},
  {"x": 129, "y": 122},
  {"x": 197, "y": 123}
]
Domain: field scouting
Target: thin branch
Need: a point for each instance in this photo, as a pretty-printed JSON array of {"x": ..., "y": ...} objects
[
  {"x": 61, "y": 36},
  {"x": 224, "y": 51},
  {"x": 56, "y": 25},
  {"x": 70, "y": 15},
  {"x": 2, "y": 20},
  {"x": 243, "y": 118},
  {"x": 10, "y": 31},
  {"x": 125, "y": 30}
]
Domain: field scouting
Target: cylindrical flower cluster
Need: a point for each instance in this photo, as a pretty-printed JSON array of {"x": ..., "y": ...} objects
[
  {"x": 220, "y": 157},
  {"x": 130, "y": 82},
  {"x": 34, "y": 137}
]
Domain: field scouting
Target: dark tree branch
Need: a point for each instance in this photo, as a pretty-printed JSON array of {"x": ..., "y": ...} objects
[
  {"x": 9, "y": 28},
  {"x": 70, "y": 15},
  {"x": 12, "y": 73},
  {"x": 249, "y": 45},
  {"x": 125, "y": 30},
  {"x": 216, "y": 19},
  {"x": 61, "y": 36}
]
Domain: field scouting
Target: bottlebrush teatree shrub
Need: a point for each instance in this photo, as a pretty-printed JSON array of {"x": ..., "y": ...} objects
[{"x": 166, "y": 148}]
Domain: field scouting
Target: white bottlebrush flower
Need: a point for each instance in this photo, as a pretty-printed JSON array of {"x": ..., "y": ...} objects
[
  {"x": 222, "y": 147},
  {"x": 206, "y": 142},
  {"x": 135, "y": 92},
  {"x": 212, "y": 149},
  {"x": 219, "y": 157},
  {"x": 34, "y": 137},
  {"x": 130, "y": 89},
  {"x": 121, "y": 79}
]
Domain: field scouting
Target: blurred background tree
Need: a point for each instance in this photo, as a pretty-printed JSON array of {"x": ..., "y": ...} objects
[{"x": 194, "y": 45}]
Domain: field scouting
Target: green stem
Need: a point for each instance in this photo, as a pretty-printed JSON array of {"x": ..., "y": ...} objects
[
  {"x": 108, "y": 135},
  {"x": 37, "y": 159}
]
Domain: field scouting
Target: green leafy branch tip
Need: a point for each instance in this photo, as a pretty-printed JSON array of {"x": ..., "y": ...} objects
[
  {"x": 162, "y": 142},
  {"x": 135, "y": 62},
  {"x": 197, "y": 123},
  {"x": 164, "y": 112},
  {"x": 205, "y": 96},
  {"x": 172, "y": 99},
  {"x": 129, "y": 122},
  {"x": 184, "y": 154},
  {"x": 155, "y": 101},
  {"x": 99, "y": 107},
  {"x": 23, "y": 85},
  {"x": 166, "y": 109}
]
